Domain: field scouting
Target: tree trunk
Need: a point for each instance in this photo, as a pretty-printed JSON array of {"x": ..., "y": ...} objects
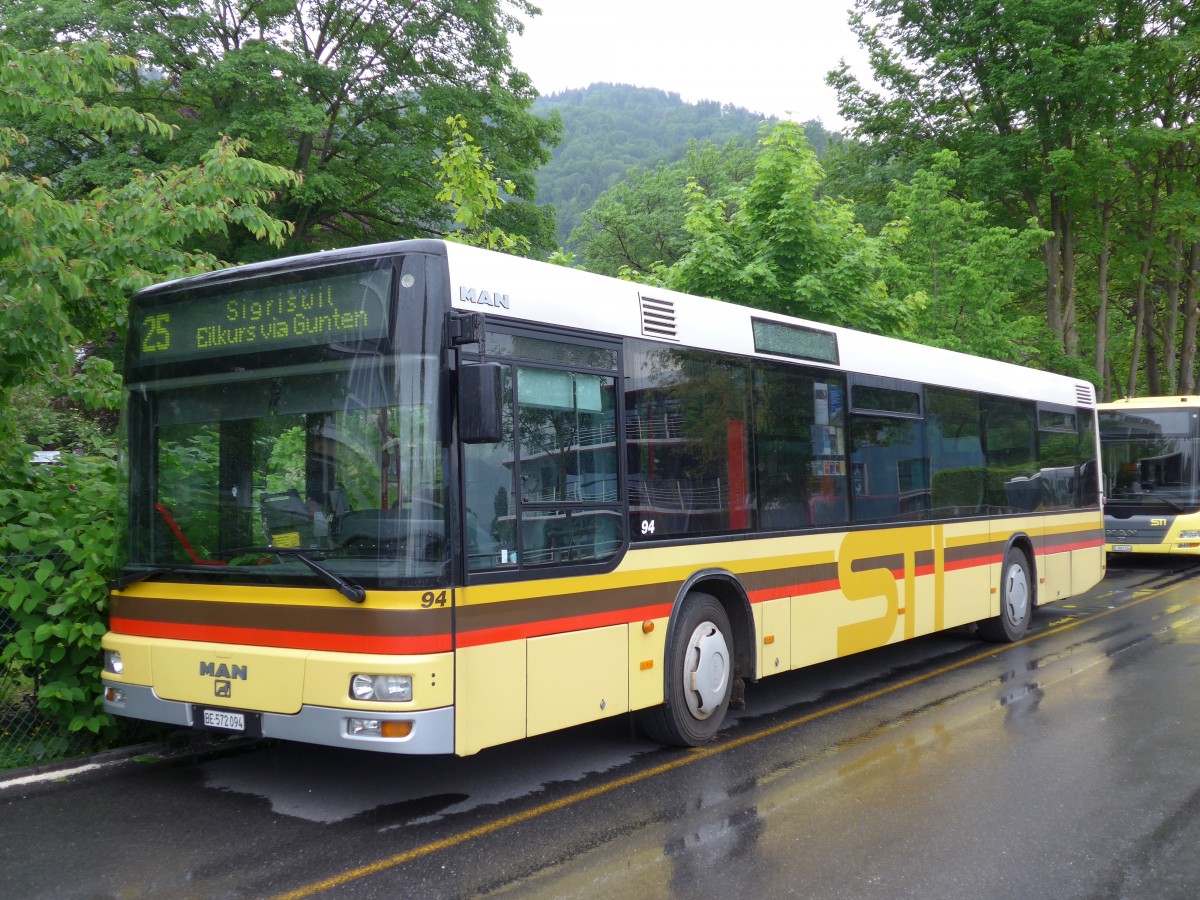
[
  {"x": 1051, "y": 250},
  {"x": 1171, "y": 317},
  {"x": 1191, "y": 317},
  {"x": 1141, "y": 315},
  {"x": 1152, "y": 366},
  {"x": 1102, "y": 289},
  {"x": 1135, "y": 355},
  {"x": 1067, "y": 291}
]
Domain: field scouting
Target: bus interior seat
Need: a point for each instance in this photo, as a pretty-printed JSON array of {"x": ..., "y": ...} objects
[
  {"x": 607, "y": 535},
  {"x": 286, "y": 520},
  {"x": 338, "y": 503}
]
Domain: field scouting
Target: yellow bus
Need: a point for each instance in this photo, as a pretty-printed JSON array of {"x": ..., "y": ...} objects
[
  {"x": 423, "y": 498},
  {"x": 1148, "y": 449}
]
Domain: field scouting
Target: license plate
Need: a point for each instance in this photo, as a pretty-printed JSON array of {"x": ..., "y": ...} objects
[
  {"x": 228, "y": 721},
  {"x": 1122, "y": 548},
  {"x": 224, "y": 720}
]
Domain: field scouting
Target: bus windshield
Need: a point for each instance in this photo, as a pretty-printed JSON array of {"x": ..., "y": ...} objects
[
  {"x": 303, "y": 460},
  {"x": 1149, "y": 457}
]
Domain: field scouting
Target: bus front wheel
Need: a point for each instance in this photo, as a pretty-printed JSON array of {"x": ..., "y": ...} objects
[
  {"x": 1016, "y": 601},
  {"x": 699, "y": 676}
]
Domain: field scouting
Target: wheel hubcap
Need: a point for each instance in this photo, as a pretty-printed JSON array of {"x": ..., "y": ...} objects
[
  {"x": 1016, "y": 594},
  {"x": 706, "y": 670}
]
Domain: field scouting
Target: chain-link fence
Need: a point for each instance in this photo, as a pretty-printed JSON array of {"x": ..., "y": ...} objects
[{"x": 27, "y": 737}]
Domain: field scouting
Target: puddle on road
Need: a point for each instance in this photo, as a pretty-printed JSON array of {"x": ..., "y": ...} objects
[{"x": 327, "y": 785}]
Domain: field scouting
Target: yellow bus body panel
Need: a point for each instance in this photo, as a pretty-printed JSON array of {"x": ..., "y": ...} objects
[
  {"x": 276, "y": 680},
  {"x": 259, "y": 678},
  {"x": 775, "y": 637},
  {"x": 537, "y": 655},
  {"x": 490, "y": 705},
  {"x": 646, "y": 649},
  {"x": 577, "y": 677}
]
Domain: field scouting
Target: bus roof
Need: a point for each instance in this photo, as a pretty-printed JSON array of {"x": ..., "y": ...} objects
[
  {"x": 1175, "y": 402},
  {"x": 558, "y": 295},
  {"x": 569, "y": 297}
]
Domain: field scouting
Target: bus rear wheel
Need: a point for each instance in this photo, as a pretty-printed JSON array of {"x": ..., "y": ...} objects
[
  {"x": 700, "y": 669},
  {"x": 1016, "y": 601}
]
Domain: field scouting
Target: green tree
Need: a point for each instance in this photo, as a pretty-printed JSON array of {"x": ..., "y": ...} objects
[
  {"x": 775, "y": 243},
  {"x": 638, "y": 224},
  {"x": 1078, "y": 115},
  {"x": 969, "y": 278},
  {"x": 1005, "y": 86},
  {"x": 67, "y": 266},
  {"x": 66, "y": 269},
  {"x": 352, "y": 94},
  {"x": 470, "y": 187}
]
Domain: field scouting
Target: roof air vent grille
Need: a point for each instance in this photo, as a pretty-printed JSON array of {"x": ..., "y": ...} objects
[{"x": 658, "y": 319}]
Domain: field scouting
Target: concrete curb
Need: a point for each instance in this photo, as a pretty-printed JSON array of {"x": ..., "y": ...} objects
[{"x": 187, "y": 746}]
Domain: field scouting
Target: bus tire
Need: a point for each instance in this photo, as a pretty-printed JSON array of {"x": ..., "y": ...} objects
[
  {"x": 1016, "y": 601},
  {"x": 699, "y": 678}
]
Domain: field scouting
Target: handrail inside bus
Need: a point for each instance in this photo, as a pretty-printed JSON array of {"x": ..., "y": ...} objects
[{"x": 187, "y": 545}]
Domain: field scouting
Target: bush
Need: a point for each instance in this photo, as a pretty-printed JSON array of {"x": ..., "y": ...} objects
[{"x": 58, "y": 537}]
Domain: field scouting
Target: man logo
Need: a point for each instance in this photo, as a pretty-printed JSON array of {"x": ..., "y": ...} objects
[
  {"x": 482, "y": 298},
  {"x": 223, "y": 688},
  {"x": 221, "y": 670}
]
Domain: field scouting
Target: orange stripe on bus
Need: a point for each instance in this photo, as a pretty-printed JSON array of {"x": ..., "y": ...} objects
[
  {"x": 294, "y": 640},
  {"x": 500, "y": 633}
]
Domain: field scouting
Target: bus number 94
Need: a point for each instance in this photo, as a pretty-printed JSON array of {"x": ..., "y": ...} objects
[
  {"x": 647, "y": 526},
  {"x": 429, "y": 599}
]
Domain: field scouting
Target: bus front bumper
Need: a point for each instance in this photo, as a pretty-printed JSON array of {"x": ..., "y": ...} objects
[{"x": 432, "y": 730}]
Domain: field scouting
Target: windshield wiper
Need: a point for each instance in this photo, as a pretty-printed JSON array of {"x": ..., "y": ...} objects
[
  {"x": 352, "y": 592},
  {"x": 126, "y": 580},
  {"x": 1146, "y": 499},
  {"x": 355, "y": 593}
]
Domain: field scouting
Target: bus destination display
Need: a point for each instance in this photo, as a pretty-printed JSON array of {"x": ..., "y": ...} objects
[{"x": 298, "y": 314}]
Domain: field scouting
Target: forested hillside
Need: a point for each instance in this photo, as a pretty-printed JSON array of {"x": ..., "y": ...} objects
[{"x": 609, "y": 129}]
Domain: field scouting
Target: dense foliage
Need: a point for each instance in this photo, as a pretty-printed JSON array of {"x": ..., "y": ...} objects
[
  {"x": 637, "y": 225},
  {"x": 69, "y": 259},
  {"x": 774, "y": 242},
  {"x": 1081, "y": 116},
  {"x": 66, "y": 269},
  {"x": 352, "y": 94},
  {"x": 58, "y": 537}
]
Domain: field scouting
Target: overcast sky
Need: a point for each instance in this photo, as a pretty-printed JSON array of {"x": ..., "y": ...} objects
[{"x": 766, "y": 56}]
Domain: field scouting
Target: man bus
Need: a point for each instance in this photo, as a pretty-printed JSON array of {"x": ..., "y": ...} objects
[{"x": 424, "y": 498}]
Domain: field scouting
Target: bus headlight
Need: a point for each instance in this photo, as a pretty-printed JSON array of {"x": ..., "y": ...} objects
[
  {"x": 382, "y": 688},
  {"x": 1189, "y": 535},
  {"x": 112, "y": 662}
]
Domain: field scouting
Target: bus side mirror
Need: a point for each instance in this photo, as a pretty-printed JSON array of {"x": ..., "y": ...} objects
[{"x": 480, "y": 403}]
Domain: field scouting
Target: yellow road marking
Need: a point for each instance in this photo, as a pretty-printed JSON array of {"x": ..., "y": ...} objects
[{"x": 691, "y": 756}]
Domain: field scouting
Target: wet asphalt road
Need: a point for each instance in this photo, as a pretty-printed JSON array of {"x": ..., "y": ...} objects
[{"x": 1065, "y": 766}]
